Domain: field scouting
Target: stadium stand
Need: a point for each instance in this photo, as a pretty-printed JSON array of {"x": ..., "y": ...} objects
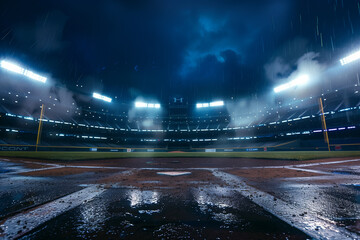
[{"x": 295, "y": 125}]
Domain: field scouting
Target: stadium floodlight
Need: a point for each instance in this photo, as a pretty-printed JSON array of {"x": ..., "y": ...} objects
[
  {"x": 199, "y": 105},
  {"x": 202, "y": 105},
  {"x": 19, "y": 70},
  {"x": 211, "y": 104},
  {"x": 140, "y": 105},
  {"x": 12, "y": 67},
  {"x": 34, "y": 76},
  {"x": 101, "y": 97},
  {"x": 217, "y": 104},
  {"x": 301, "y": 80},
  {"x": 147, "y": 105},
  {"x": 351, "y": 58}
]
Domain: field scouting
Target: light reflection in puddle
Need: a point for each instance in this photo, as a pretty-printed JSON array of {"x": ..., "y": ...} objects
[
  {"x": 92, "y": 218},
  {"x": 144, "y": 214},
  {"x": 216, "y": 202},
  {"x": 149, "y": 211},
  {"x": 226, "y": 218},
  {"x": 138, "y": 197},
  {"x": 214, "y": 196},
  {"x": 330, "y": 201}
]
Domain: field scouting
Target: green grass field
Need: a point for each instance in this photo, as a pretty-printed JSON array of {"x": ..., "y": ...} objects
[{"x": 295, "y": 155}]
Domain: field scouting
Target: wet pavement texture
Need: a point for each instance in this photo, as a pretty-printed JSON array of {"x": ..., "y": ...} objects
[
  {"x": 337, "y": 203},
  {"x": 18, "y": 193},
  {"x": 134, "y": 202},
  {"x": 143, "y": 214}
]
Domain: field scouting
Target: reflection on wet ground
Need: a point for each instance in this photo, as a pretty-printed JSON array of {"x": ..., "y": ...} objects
[
  {"x": 334, "y": 197},
  {"x": 142, "y": 214},
  {"x": 208, "y": 203},
  {"x": 18, "y": 193}
]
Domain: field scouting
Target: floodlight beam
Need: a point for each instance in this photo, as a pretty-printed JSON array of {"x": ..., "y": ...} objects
[
  {"x": 140, "y": 104},
  {"x": 147, "y": 105},
  {"x": 301, "y": 80},
  {"x": 217, "y": 104},
  {"x": 351, "y": 58},
  {"x": 19, "y": 70},
  {"x": 101, "y": 97},
  {"x": 211, "y": 104}
]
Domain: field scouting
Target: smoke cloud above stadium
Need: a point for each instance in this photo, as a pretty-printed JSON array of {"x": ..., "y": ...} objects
[{"x": 35, "y": 93}]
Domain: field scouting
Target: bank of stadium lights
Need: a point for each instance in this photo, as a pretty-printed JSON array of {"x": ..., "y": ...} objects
[
  {"x": 301, "y": 80},
  {"x": 22, "y": 71},
  {"x": 351, "y": 58},
  {"x": 217, "y": 104},
  {"x": 101, "y": 97},
  {"x": 211, "y": 104},
  {"x": 147, "y": 105}
]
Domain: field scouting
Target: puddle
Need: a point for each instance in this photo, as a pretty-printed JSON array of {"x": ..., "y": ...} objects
[
  {"x": 2, "y": 170},
  {"x": 150, "y": 182},
  {"x": 150, "y": 212},
  {"x": 8, "y": 167},
  {"x": 345, "y": 172}
]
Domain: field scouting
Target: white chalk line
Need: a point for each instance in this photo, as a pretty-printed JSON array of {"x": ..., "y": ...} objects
[
  {"x": 309, "y": 223},
  {"x": 22, "y": 223},
  {"x": 308, "y": 170}
]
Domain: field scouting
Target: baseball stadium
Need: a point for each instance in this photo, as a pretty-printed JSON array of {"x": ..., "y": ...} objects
[{"x": 179, "y": 120}]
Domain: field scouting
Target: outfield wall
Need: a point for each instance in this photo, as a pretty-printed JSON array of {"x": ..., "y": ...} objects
[{"x": 288, "y": 146}]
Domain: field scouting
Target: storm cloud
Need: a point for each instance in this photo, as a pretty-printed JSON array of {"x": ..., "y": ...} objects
[{"x": 167, "y": 48}]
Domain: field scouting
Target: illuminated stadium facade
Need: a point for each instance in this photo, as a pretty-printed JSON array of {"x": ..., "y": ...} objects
[{"x": 180, "y": 124}]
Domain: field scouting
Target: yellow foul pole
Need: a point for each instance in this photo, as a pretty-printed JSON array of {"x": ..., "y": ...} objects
[
  {"x": 323, "y": 123},
  {"x": 39, "y": 129}
]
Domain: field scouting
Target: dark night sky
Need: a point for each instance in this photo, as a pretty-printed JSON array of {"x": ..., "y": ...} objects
[{"x": 159, "y": 49}]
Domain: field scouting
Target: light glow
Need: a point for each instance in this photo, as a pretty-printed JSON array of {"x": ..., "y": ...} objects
[
  {"x": 351, "y": 58},
  {"x": 147, "y": 105},
  {"x": 101, "y": 97},
  {"x": 140, "y": 104},
  {"x": 12, "y": 67},
  {"x": 211, "y": 104},
  {"x": 216, "y": 104},
  {"x": 301, "y": 80},
  {"x": 19, "y": 70},
  {"x": 199, "y": 105},
  {"x": 34, "y": 76}
]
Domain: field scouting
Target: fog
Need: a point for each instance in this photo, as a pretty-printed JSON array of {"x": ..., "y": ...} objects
[{"x": 25, "y": 96}]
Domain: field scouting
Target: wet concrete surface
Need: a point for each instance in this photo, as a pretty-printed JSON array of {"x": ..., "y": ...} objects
[
  {"x": 329, "y": 193},
  {"x": 252, "y": 199},
  {"x": 159, "y": 214},
  {"x": 337, "y": 203},
  {"x": 18, "y": 193}
]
